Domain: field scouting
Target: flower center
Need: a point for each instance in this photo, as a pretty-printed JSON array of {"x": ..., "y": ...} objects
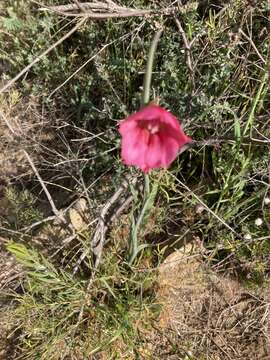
[{"x": 153, "y": 127}]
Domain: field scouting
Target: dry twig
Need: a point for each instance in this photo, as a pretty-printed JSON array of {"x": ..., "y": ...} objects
[
  {"x": 79, "y": 5},
  {"x": 56, "y": 212},
  {"x": 206, "y": 207},
  {"x": 104, "y": 10},
  {"x": 11, "y": 129},
  {"x": 252, "y": 44},
  {"x": 107, "y": 215},
  {"x": 93, "y": 6},
  {"x": 187, "y": 45}
]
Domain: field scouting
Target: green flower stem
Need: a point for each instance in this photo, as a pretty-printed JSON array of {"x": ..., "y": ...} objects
[
  {"x": 146, "y": 186},
  {"x": 149, "y": 68},
  {"x": 142, "y": 219},
  {"x": 149, "y": 193}
]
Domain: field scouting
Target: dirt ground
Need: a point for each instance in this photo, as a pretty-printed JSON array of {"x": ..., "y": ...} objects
[{"x": 209, "y": 316}]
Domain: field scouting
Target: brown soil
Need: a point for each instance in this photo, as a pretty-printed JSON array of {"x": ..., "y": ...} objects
[{"x": 208, "y": 316}]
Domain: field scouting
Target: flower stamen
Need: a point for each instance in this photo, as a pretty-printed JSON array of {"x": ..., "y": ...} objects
[{"x": 153, "y": 129}]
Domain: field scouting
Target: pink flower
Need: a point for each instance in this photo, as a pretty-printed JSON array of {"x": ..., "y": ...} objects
[{"x": 151, "y": 138}]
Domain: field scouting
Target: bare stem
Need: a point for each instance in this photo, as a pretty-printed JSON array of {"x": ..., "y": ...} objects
[{"x": 149, "y": 68}]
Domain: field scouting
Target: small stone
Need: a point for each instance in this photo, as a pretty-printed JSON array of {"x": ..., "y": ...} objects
[
  {"x": 199, "y": 208},
  {"x": 247, "y": 237},
  {"x": 258, "y": 222}
]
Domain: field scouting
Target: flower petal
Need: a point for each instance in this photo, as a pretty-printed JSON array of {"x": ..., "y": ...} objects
[
  {"x": 133, "y": 148},
  {"x": 170, "y": 150},
  {"x": 153, "y": 155},
  {"x": 169, "y": 132}
]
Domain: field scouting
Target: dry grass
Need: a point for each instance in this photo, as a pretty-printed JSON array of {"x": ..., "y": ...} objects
[{"x": 210, "y": 316}]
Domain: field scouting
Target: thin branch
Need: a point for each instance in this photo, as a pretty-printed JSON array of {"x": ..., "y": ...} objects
[
  {"x": 206, "y": 207},
  {"x": 3, "y": 240},
  {"x": 79, "y": 6},
  {"x": 186, "y": 44},
  {"x": 105, "y": 218},
  {"x": 7, "y": 123},
  {"x": 122, "y": 38},
  {"x": 101, "y": 10},
  {"x": 38, "y": 58},
  {"x": 99, "y": 237},
  {"x": 80, "y": 68},
  {"x": 218, "y": 142},
  {"x": 252, "y": 44},
  {"x": 110, "y": 15},
  {"x": 86, "y": 6},
  {"x": 37, "y": 223},
  {"x": 56, "y": 212}
]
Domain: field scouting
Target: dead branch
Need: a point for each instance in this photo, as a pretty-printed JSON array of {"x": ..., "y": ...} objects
[
  {"x": 104, "y": 10},
  {"x": 99, "y": 236},
  {"x": 80, "y": 68},
  {"x": 187, "y": 45},
  {"x": 56, "y": 212},
  {"x": 38, "y": 223},
  {"x": 107, "y": 215},
  {"x": 253, "y": 45},
  {"x": 108, "y": 15},
  {"x": 7, "y": 123},
  {"x": 97, "y": 5},
  {"x": 79, "y": 5},
  {"x": 207, "y": 208}
]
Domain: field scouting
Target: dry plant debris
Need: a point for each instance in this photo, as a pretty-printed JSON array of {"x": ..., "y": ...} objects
[{"x": 211, "y": 316}]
